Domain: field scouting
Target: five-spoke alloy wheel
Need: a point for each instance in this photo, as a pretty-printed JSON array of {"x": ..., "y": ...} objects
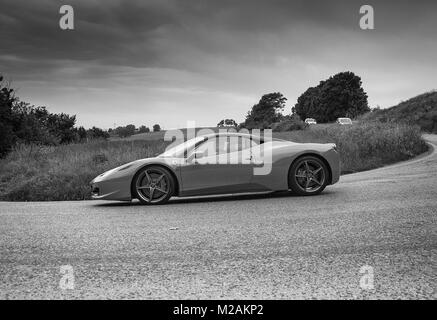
[
  {"x": 153, "y": 185},
  {"x": 308, "y": 176}
]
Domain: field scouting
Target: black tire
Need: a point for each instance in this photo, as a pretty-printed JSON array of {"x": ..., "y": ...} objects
[
  {"x": 308, "y": 176},
  {"x": 153, "y": 177}
]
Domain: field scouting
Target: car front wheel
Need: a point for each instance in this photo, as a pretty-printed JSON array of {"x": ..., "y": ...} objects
[
  {"x": 153, "y": 185},
  {"x": 308, "y": 176}
]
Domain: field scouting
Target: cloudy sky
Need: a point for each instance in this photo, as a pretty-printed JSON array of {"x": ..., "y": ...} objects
[{"x": 169, "y": 61}]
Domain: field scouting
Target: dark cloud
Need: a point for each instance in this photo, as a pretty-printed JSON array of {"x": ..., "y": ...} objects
[
  {"x": 140, "y": 32},
  {"x": 231, "y": 49}
]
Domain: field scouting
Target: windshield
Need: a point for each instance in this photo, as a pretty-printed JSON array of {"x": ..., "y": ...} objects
[
  {"x": 178, "y": 151},
  {"x": 346, "y": 120}
]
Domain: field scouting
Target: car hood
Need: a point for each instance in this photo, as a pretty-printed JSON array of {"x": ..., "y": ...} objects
[{"x": 132, "y": 167}]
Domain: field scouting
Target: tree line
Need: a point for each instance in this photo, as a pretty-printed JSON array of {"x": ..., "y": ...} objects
[
  {"x": 130, "y": 130},
  {"x": 21, "y": 122},
  {"x": 341, "y": 95}
]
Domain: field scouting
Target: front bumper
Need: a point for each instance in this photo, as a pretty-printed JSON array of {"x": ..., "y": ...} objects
[{"x": 111, "y": 190}]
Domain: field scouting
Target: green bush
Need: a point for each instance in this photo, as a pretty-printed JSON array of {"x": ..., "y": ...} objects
[{"x": 365, "y": 146}]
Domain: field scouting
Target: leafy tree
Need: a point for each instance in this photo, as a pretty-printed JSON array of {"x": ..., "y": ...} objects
[
  {"x": 266, "y": 111},
  {"x": 97, "y": 133},
  {"x": 308, "y": 104},
  {"x": 36, "y": 125},
  {"x": 231, "y": 122},
  {"x": 7, "y": 136},
  {"x": 62, "y": 127},
  {"x": 339, "y": 96},
  {"x": 156, "y": 128},
  {"x": 143, "y": 129},
  {"x": 30, "y": 124},
  {"x": 126, "y": 131},
  {"x": 119, "y": 131},
  {"x": 21, "y": 122},
  {"x": 130, "y": 128},
  {"x": 227, "y": 123},
  {"x": 81, "y": 134}
]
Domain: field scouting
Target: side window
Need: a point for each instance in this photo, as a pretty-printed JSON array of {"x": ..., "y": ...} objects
[
  {"x": 238, "y": 143},
  {"x": 213, "y": 146},
  {"x": 226, "y": 144}
]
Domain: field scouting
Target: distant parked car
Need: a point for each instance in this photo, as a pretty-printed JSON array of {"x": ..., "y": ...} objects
[
  {"x": 344, "y": 121},
  {"x": 310, "y": 121}
]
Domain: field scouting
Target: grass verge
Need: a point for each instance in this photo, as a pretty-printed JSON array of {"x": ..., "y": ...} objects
[{"x": 365, "y": 146}]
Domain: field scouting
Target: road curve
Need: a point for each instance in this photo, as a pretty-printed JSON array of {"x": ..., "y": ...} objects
[{"x": 381, "y": 222}]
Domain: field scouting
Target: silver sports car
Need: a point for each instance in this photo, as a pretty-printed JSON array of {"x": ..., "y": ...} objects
[{"x": 222, "y": 163}]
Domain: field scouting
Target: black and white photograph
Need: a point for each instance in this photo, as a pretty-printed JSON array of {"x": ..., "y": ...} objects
[{"x": 218, "y": 155}]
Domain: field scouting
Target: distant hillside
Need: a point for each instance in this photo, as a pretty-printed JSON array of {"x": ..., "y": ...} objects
[{"x": 420, "y": 110}]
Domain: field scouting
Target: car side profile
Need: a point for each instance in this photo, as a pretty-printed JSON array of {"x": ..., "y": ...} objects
[{"x": 201, "y": 166}]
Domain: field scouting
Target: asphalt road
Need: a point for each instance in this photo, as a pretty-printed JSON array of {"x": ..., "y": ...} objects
[{"x": 257, "y": 246}]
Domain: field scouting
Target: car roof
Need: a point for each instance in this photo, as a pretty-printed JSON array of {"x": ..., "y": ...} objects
[
  {"x": 232, "y": 134},
  {"x": 237, "y": 134},
  {"x": 215, "y": 134}
]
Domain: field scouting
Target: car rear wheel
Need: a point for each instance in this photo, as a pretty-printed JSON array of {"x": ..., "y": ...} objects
[
  {"x": 153, "y": 185},
  {"x": 308, "y": 176}
]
